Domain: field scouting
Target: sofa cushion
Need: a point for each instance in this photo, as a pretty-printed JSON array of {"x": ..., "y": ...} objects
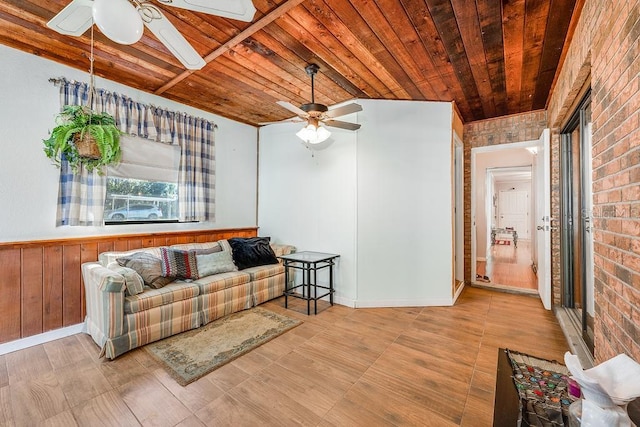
[
  {"x": 106, "y": 258},
  {"x": 264, "y": 271},
  {"x": 252, "y": 251},
  {"x": 215, "y": 263},
  {"x": 149, "y": 267},
  {"x": 173, "y": 292},
  {"x": 280, "y": 249},
  {"x": 132, "y": 280},
  {"x": 178, "y": 263},
  {"x": 206, "y": 247},
  {"x": 217, "y": 282}
]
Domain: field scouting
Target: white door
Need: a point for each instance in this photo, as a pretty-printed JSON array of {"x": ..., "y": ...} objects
[
  {"x": 543, "y": 221},
  {"x": 513, "y": 211}
]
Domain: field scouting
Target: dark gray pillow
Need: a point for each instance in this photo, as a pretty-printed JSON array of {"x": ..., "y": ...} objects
[{"x": 252, "y": 252}]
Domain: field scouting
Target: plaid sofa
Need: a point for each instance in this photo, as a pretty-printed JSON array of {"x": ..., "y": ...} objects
[{"x": 119, "y": 323}]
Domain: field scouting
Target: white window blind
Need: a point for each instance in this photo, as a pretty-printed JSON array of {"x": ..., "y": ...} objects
[{"x": 146, "y": 160}]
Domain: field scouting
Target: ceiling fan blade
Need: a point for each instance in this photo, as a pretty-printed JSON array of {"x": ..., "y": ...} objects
[
  {"x": 74, "y": 19},
  {"x": 169, "y": 35},
  {"x": 344, "y": 110},
  {"x": 289, "y": 106},
  {"x": 341, "y": 125},
  {"x": 290, "y": 120},
  {"x": 242, "y": 10}
]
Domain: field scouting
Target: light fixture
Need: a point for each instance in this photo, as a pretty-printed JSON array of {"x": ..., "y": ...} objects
[
  {"x": 313, "y": 133},
  {"x": 118, "y": 20}
]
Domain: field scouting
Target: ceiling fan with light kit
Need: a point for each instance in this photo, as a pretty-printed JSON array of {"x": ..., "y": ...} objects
[
  {"x": 123, "y": 21},
  {"x": 315, "y": 114}
]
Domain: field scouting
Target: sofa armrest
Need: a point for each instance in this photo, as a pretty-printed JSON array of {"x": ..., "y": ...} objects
[
  {"x": 280, "y": 249},
  {"x": 104, "y": 290}
]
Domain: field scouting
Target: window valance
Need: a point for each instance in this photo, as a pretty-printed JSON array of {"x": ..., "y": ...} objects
[{"x": 133, "y": 117}]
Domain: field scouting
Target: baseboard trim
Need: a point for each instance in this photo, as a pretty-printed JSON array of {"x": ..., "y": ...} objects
[
  {"x": 31, "y": 341},
  {"x": 458, "y": 292},
  {"x": 432, "y": 302},
  {"x": 507, "y": 289},
  {"x": 347, "y": 302}
]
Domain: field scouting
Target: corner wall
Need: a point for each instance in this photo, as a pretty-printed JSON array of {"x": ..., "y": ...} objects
[
  {"x": 380, "y": 197},
  {"x": 606, "y": 46}
]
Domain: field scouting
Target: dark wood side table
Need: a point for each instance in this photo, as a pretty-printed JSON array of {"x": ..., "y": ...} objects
[{"x": 309, "y": 263}]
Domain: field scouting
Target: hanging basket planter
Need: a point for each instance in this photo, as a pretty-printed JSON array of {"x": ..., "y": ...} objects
[
  {"x": 87, "y": 146},
  {"x": 84, "y": 137}
]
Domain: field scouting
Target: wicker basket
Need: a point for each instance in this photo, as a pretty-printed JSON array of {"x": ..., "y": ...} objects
[{"x": 86, "y": 146}]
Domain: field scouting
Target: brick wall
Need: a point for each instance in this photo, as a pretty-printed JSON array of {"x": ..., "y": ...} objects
[
  {"x": 503, "y": 130},
  {"x": 606, "y": 45}
]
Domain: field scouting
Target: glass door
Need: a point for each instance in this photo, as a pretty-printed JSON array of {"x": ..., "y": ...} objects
[{"x": 576, "y": 244}]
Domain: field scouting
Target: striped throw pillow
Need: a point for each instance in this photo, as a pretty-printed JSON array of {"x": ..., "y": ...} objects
[{"x": 179, "y": 264}]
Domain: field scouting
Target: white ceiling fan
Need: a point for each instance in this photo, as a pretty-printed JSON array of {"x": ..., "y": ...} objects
[{"x": 123, "y": 21}]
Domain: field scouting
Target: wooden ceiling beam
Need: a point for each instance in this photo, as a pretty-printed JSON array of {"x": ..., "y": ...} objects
[{"x": 243, "y": 35}]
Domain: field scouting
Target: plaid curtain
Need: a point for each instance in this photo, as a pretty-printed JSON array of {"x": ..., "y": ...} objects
[
  {"x": 196, "y": 177},
  {"x": 81, "y": 196}
]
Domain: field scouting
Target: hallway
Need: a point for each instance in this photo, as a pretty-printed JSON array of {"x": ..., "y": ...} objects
[{"x": 510, "y": 267}]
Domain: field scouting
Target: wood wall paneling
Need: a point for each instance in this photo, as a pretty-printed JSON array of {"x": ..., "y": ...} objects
[
  {"x": 41, "y": 286},
  {"x": 9, "y": 295},
  {"x": 32, "y": 296},
  {"x": 52, "y": 288},
  {"x": 71, "y": 284}
]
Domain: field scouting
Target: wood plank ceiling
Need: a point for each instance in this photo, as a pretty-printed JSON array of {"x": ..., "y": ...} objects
[{"x": 492, "y": 57}]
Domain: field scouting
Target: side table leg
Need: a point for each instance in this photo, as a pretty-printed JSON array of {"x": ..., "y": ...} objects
[
  {"x": 315, "y": 289},
  {"x": 286, "y": 286},
  {"x": 308, "y": 265},
  {"x": 331, "y": 282}
]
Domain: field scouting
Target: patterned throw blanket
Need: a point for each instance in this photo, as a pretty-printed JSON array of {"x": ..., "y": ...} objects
[{"x": 543, "y": 388}]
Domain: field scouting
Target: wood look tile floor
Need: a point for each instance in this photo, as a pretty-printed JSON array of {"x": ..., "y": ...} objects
[
  {"x": 422, "y": 366},
  {"x": 510, "y": 267}
]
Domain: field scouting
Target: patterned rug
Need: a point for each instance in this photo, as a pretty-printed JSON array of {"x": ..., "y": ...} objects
[{"x": 193, "y": 354}]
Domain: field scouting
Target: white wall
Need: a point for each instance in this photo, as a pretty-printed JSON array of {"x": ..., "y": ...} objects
[
  {"x": 29, "y": 184},
  {"x": 308, "y": 198},
  {"x": 405, "y": 204},
  {"x": 380, "y": 197}
]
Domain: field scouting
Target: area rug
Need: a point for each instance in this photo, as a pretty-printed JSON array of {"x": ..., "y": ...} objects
[{"x": 193, "y": 354}]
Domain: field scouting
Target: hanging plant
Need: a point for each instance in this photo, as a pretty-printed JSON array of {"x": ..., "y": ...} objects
[{"x": 84, "y": 138}]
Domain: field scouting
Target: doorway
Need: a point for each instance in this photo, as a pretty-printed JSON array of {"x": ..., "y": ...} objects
[
  {"x": 576, "y": 204},
  {"x": 509, "y": 254},
  {"x": 503, "y": 246}
]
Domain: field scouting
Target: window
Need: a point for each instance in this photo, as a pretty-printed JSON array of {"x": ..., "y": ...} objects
[
  {"x": 143, "y": 187},
  {"x": 140, "y": 200}
]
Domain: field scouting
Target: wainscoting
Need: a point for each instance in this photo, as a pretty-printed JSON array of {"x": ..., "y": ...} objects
[{"x": 41, "y": 286}]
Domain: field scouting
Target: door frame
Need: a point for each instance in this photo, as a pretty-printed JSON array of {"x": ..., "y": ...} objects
[
  {"x": 458, "y": 234},
  {"x": 533, "y": 144},
  {"x": 569, "y": 212}
]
